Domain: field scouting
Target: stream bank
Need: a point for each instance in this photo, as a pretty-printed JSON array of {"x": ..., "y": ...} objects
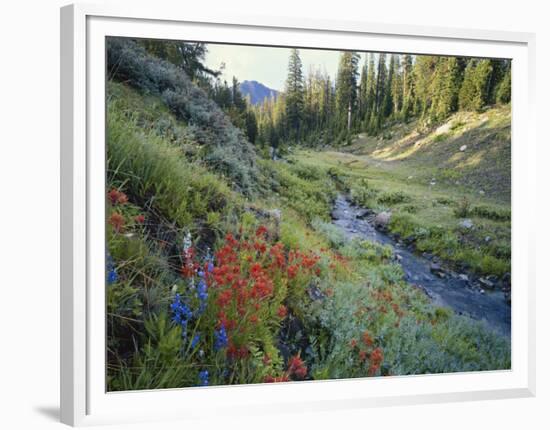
[{"x": 443, "y": 287}]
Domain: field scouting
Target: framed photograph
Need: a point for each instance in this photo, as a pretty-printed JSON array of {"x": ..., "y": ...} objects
[{"x": 264, "y": 214}]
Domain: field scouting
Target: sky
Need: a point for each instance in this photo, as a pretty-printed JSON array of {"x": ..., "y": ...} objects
[{"x": 265, "y": 64}]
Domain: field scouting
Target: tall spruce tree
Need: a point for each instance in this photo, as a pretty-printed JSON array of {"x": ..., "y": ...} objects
[
  {"x": 446, "y": 86},
  {"x": 387, "y": 104},
  {"x": 294, "y": 97},
  {"x": 346, "y": 87},
  {"x": 397, "y": 87},
  {"x": 475, "y": 91},
  {"x": 371, "y": 92},
  {"x": 408, "y": 87}
]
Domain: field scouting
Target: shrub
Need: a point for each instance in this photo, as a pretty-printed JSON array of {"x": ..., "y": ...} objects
[
  {"x": 362, "y": 194},
  {"x": 490, "y": 213},
  {"x": 463, "y": 208},
  {"x": 130, "y": 63},
  {"x": 394, "y": 198}
]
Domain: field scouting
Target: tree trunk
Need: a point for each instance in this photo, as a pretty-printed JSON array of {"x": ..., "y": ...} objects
[{"x": 349, "y": 115}]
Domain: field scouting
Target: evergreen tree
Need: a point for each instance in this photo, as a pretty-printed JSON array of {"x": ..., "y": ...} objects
[
  {"x": 408, "y": 87},
  {"x": 363, "y": 90},
  {"x": 346, "y": 87},
  {"x": 446, "y": 86},
  {"x": 387, "y": 104},
  {"x": 294, "y": 96},
  {"x": 504, "y": 88},
  {"x": 397, "y": 87},
  {"x": 475, "y": 91},
  {"x": 371, "y": 91}
]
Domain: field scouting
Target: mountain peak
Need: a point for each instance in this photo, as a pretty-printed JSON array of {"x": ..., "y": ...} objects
[{"x": 257, "y": 91}]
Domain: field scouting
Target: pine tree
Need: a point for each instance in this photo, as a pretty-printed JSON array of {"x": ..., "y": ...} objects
[
  {"x": 387, "y": 104},
  {"x": 346, "y": 87},
  {"x": 446, "y": 86},
  {"x": 475, "y": 91},
  {"x": 371, "y": 92},
  {"x": 408, "y": 86},
  {"x": 294, "y": 97},
  {"x": 397, "y": 88},
  {"x": 504, "y": 88},
  {"x": 363, "y": 90}
]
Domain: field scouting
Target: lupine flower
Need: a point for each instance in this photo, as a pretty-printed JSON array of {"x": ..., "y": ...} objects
[
  {"x": 220, "y": 338},
  {"x": 196, "y": 340},
  {"x": 181, "y": 313},
  {"x": 112, "y": 276},
  {"x": 202, "y": 293},
  {"x": 203, "y": 378}
]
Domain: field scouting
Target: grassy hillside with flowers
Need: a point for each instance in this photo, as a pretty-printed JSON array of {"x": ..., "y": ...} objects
[{"x": 223, "y": 266}]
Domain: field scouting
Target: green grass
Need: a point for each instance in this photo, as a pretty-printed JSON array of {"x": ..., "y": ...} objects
[{"x": 427, "y": 192}]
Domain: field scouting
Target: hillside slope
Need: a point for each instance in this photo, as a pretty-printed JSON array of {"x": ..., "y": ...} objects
[{"x": 470, "y": 150}]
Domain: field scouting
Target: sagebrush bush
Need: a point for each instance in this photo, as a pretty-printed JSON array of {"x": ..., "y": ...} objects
[{"x": 130, "y": 63}]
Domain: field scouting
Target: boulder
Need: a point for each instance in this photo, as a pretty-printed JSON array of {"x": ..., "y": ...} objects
[
  {"x": 486, "y": 283},
  {"x": 466, "y": 223},
  {"x": 382, "y": 219}
]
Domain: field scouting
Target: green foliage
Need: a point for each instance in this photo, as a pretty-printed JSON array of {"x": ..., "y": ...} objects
[
  {"x": 226, "y": 146},
  {"x": 463, "y": 209},
  {"x": 157, "y": 175},
  {"x": 294, "y": 94},
  {"x": 393, "y": 198},
  {"x": 475, "y": 91}
]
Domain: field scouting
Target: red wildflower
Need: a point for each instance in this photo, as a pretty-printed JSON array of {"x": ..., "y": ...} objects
[
  {"x": 353, "y": 343},
  {"x": 282, "y": 311},
  {"x": 367, "y": 339},
  {"x": 271, "y": 379},
  {"x": 117, "y": 196},
  {"x": 362, "y": 355},
  {"x": 140, "y": 219},
  {"x": 292, "y": 271},
  {"x": 297, "y": 367},
  {"x": 261, "y": 231},
  {"x": 376, "y": 358},
  {"x": 117, "y": 221}
]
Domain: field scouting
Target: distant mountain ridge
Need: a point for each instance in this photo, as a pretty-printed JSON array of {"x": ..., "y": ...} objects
[{"x": 257, "y": 91}]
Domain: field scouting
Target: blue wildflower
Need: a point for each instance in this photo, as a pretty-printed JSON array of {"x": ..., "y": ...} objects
[
  {"x": 203, "y": 378},
  {"x": 181, "y": 313},
  {"x": 220, "y": 338},
  {"x": 210, "y": 262},
  {"x": 112, "y": 276},
  {"x": 202, "y": 293},
  {"x": 196, "y": 340}
]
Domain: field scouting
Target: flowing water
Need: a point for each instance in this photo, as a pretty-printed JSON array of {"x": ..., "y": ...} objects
[{"x": 450, "y": 291}]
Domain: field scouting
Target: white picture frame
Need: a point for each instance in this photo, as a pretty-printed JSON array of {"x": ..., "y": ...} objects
[{"x": 84, "y": 400}]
